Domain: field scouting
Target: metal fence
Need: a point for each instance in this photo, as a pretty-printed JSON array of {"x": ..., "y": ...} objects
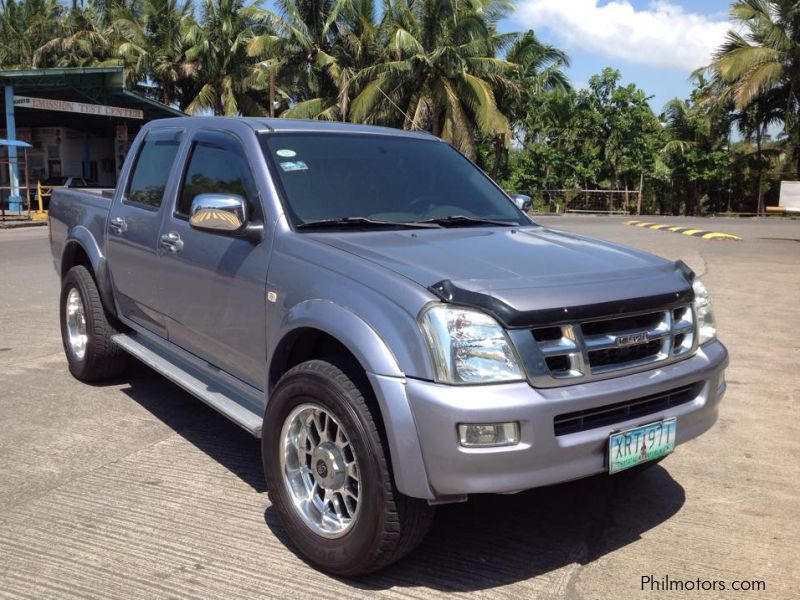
[{"x": 613, "y": 202}]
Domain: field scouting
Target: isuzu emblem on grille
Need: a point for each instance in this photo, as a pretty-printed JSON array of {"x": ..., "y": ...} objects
[{"x": 633, "y": 338}]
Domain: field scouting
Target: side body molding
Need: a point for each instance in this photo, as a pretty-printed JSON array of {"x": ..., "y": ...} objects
[{"x": 387, "y": 380}]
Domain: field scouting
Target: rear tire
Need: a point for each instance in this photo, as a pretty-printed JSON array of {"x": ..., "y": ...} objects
[
  {"x": 376, "y": 524},
  {"x": 86, "y": 329}
]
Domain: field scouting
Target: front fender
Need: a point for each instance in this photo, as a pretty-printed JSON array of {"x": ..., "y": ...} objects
[
  {"x": 352, "y": 331},
  {"x": 387, "y": 380}
]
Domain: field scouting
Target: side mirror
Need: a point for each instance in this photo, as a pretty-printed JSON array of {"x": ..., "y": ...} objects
[
  {"x": 522, "y": 201},
  {"x": 219, "y": 213}
]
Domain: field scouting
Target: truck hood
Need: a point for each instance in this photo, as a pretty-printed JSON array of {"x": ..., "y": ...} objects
[{"x": 525, "y": 275}]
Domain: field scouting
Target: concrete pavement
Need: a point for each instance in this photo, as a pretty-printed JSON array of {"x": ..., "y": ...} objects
[{"x": 136, "y": 490}]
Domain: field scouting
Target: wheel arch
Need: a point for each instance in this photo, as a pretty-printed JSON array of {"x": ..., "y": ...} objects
[
  {"x": 315, "y": 318},
  {"x": 319, "y": 329},
  {"x": 81, "y": 248}
]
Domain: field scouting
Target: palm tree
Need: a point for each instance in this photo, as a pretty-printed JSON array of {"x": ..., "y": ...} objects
[
  {"x": 764, "y": 60},
  {"x": 683, "y": 131},
  {"x": 753, "y": 123},
  {"x": 228, "y": 83},
  {"x": 312, "y": 49},
  {"x": 538, "y": 71},
  {"x": 538, "y": 66},
  {"x": 85, "y": 39},
  {"x": 442, "y": 72},
  {"x": 697, "y": 132},
  {"x": 359, "y": 47},
  {"x": 153, "y": 41},
  {"x": 24, "y": 27}
]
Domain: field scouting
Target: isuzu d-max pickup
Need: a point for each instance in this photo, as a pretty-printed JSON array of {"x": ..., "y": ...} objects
[{"x": 391, "y": 324}]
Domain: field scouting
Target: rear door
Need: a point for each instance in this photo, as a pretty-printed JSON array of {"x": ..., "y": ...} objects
[
  {"x": 133, "y": 228},
  {"x": 214, "y": 285}
]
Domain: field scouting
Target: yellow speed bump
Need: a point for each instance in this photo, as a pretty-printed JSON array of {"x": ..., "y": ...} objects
[
  {"x": 714, "y": 235},
  {"x": 701, "y": 233}
]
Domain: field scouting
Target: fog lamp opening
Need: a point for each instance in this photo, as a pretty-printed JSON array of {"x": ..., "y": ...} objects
[{"x": 484, "y": 435}]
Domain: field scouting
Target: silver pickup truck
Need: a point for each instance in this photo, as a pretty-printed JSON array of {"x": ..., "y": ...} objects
[{"x": 387, "y": 320}]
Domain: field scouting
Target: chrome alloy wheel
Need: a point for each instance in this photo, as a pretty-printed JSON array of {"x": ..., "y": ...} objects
[
  {"x": 320, "y": 470},
  {"x": 76, "y": 324}
]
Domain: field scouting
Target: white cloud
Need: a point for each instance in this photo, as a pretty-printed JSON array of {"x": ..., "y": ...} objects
[{"x": 662, "y": 35}]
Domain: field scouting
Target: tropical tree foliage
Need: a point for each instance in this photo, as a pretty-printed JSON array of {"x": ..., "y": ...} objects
[
  {"x": 228, "y": 83},
  {"x": 441, "y": 71},
  {"x": 27, "y": 26},
  {"x": 152, "y": 41},
  {"x": 503, "y": 99},
  {"x": 759, "y": 64}
]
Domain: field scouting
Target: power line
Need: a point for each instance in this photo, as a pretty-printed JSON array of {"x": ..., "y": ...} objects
[{"x": 413, "y": 125}]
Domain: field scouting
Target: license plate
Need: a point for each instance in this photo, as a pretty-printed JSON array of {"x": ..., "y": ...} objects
[{"x": 635, "y": 446}]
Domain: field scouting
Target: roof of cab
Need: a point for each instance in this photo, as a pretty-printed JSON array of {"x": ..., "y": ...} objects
[{"x": 283, "y": 125}]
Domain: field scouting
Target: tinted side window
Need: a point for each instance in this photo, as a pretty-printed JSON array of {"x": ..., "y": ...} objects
[
  {"x": 216, "y": 166},
  {"x": 152, "y": 167}
]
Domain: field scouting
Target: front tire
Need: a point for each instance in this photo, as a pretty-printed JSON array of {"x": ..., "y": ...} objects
[
  {"x": 86, "y": 329},
  {"x": 328, "y": 475}
]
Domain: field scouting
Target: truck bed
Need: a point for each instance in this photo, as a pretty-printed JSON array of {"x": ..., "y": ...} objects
[{"x": 73, "y": 210}]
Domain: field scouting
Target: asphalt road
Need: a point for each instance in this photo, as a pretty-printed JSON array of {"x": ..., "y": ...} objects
[{"x": 136, "y": 490}]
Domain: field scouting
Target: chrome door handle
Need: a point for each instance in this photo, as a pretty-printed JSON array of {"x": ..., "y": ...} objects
[
  {"x": 172, "y": 242},
  {"x": 118, "y": 224}
]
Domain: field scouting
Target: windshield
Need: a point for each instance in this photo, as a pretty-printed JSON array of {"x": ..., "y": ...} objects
[{"x": 348, "y": 180}]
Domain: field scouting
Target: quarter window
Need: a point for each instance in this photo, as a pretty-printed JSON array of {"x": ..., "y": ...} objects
[
  {"x": 151, "y": 170},
  {"x": 217, "y": 165}
]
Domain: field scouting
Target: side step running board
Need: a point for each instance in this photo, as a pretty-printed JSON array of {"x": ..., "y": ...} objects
[{"x": 194, "y": 380}]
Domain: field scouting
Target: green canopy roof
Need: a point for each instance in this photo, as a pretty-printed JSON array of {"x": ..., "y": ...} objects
[{"x": 91, "y": 85}]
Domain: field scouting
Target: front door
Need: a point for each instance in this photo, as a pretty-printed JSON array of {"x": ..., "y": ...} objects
[
  {"x": 214, "y": 285},
  {"x": 133, "y": 229}
]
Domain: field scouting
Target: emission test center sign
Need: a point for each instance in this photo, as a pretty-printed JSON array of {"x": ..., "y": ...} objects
[{"x": 77, "y": 107}]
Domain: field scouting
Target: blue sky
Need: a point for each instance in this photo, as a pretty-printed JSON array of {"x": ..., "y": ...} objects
[{"x": 654, "y": 43}]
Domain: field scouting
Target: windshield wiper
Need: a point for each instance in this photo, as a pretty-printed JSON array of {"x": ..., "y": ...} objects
[
  {"x": 363, "y": 222},
  {"x": 467, "y": 221}
]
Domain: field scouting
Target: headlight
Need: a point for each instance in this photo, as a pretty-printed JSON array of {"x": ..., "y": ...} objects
[
  {"x": 706, "y": 328},
  {"x": 468, "y": 346}
]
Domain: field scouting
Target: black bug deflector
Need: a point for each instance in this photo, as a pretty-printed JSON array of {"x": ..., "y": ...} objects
[{"x": 528, "y": 307}]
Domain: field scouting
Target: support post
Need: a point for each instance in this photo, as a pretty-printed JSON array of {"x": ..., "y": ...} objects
[
  {"x": 87, "y": 156},
  {"x": 14, "y": 200},
  {"x": 272, "y": 94}
]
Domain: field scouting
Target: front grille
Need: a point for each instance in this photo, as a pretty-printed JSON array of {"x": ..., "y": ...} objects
[
  {"x": 605, "y": 347},
  {"x": 592, "y": 418},
  {"x": 631, "y": 323},
  {"x": 615, "y": 356}
]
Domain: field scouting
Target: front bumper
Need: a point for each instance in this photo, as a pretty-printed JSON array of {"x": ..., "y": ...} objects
[{"x": 542, "y": 458}]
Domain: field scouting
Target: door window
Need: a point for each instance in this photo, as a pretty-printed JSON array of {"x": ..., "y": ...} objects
[
  {"x": 152, "y": 167},
  {"x": 217, "y": 165}
]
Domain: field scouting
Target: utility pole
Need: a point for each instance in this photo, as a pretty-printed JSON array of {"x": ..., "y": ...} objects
[{"x": 272, "y": 94}]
